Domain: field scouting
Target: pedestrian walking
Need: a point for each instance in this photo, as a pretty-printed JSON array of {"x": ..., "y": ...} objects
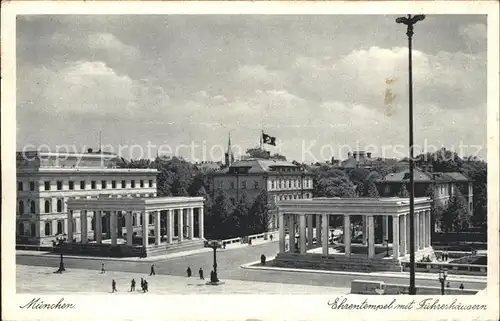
[
  {"x": 152, "y": 270},
  {"x": 200, "y": 272},
  {"x": 113, "y": 286},
  {"x": 271, "y": 237},
  {"x": 461, "y": 287},
  {"x": 145, "y": 286},
  {"x": 103, "y": 270},
  {"x": 188, "y": 271},
  {"x": 132, "y": 285},
  {"x": 142, "y": 284},
  {"x": 448, "y": 284}
]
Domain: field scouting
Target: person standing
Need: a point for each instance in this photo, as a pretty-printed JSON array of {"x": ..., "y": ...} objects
[
  {"x": 200, "y": 272},
  {"x": 142, "y": 284},
  {"x": 461, "y": 287},
  {"x": 132, "y": 285},
  {"x": 103, "y": 270},
  {"x": 145, "y": 286},
  {"x": 188, "y": 271},
  {"x": 152, "y": 270},
  {"x": 113, "y": 286}
]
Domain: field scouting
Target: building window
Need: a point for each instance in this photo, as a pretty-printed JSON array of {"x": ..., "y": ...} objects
[
  {"x": 59, "y": 206},
  {"x": 134, "y": 220},
  {"x": 21, "y": 207},
  {"x": 113, "y": 184},
  {"x": 150, "y": 218},
  {"x": 244, "y": 185},
  {"x": 272, "y": 185},
  {"x": 32, "y": 207},
  {"x": 32, "y": 186},
  {"x": 294, "y": 197},
  {"x": 103, "y": 184},
  {"x": 82, "y": 184},
  {"x": 387, "y": 190},
  {"x": 124, "y": 184},
  {"x": 20, "y": 229},
  {"x": 59, "y": 185},
  {"x": 47, "y": 206},
  {"x": 142, "y": 183},
  {"x": 150, "y": 183},
  {"x": 255, "y": 184},
  {"x": 20, "y": 186},
  {"x": 47, "y": 228},
  {"x": 289, "y": 184},
  {"x": 33, "y": 229},
  {"x": 71, "y": 185},
  {"x": 47, "y": 185},
  {"x": 60, "y": 227},
  {"x": 92, "y": 184},
  {"x": 132, "y": 183}
]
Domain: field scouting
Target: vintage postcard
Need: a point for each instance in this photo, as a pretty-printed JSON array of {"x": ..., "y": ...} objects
[{"x": 250, "y": 160}]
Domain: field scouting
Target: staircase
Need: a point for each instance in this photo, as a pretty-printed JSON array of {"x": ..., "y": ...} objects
[
  {"x": 354, "y": 263},
  {"x": 186, "y": 245}
]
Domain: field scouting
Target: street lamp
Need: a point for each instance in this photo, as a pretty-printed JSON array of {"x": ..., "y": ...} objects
[
  {"x": 409, "y": 21},
  {"x": 442, "y": 278},
  {"x": 214, "y": 244}
]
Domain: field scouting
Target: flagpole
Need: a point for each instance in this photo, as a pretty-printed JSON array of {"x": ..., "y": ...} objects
[{"x": 261, "y": 142}]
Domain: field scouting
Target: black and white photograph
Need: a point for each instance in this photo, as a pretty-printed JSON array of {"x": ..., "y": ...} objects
[{"x": 338, "y": 154}]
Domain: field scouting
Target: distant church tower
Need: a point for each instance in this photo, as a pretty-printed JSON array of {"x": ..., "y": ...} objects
[{"x": 229, "y": 156}]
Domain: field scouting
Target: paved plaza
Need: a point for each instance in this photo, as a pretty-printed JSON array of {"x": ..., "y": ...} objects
[
  {"x": 31, "y": 279},
  {"x": 230, "y": 262}
]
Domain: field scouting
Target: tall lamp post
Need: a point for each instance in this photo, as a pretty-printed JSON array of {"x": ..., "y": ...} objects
[
  {"x": 409, "y": 21},
  {"x": 214, "y": 244},
  {"x": 442, "y": 278}
]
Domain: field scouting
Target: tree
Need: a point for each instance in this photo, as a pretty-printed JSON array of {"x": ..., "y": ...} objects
[
  {"x": 219, "y": 216},
  {"x": 237, "y": 225},
  {"x": 372, "y": 190},
  {"x": 335, "y": 187},
  {"x": 456, "y": 217},
  {"x": 259, "y": 214},
  {"x": 197, "y": 183},
  {"x": 403, "y": 192},
  {"x": 258, "y": 153}
]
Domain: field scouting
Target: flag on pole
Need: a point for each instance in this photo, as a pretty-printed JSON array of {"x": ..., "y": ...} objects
[{"x": 270, "y": 140}]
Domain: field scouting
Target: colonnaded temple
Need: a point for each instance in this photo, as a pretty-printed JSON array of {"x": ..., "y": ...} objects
[
  {"x": 108, "y": 225},
  {"x": 379, "y": 242}
]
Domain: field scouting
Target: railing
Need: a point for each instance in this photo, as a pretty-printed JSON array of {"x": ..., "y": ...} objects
[
  {"x": 451, "y": 267},
  {"x": 247, "y": 238}
]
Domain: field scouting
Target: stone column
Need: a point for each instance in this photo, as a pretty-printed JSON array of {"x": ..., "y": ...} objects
[
  {"x": 130, "y": 228},
  {"x": 402, "y": 234},
  {"x": 385, "y": 228},
  {"x": 407, "y": 215},
  {"x": 364, "y": 229},
  {"x": 302, "y": 234},
  {"x": 318, "y": 229},
  {"x": 291, "y": 233},
  {"x": 281, "y": 224},
  {"x": 191, "y": 223},
  {"x": 112, "y": 227},
  {"x": 180, "y": 224},
  {"x": 84, "y": 226},
  {"x": 157, "y": 227},
  {"x": 347, "y": 235},
  {"x": 310, "y": 231},
  {"x": 371, "y": 236},
  {"x": 324, "y": 235},
  {"x": 145, "y": 228},
  {"x": 201, "y": 224},
  {"x": 170, "y": 226},
  {"x": 422, "y": 230},
  {"x": 429, "y": 229},
  {"x": 395, "y": 237},
  {"x": 98, "y": 226},
  {"x": 417, "y": 232},
  {"x": 70, "y": 226}
]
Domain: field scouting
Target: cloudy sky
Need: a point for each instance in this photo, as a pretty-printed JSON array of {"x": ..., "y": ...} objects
[{"x": 317, "y": 83}]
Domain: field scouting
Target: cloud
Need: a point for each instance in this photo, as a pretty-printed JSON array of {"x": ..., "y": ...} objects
[{"x": 110, "y": 46}]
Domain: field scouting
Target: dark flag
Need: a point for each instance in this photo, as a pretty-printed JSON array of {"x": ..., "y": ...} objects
[{"x": 266, "y": 139}]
